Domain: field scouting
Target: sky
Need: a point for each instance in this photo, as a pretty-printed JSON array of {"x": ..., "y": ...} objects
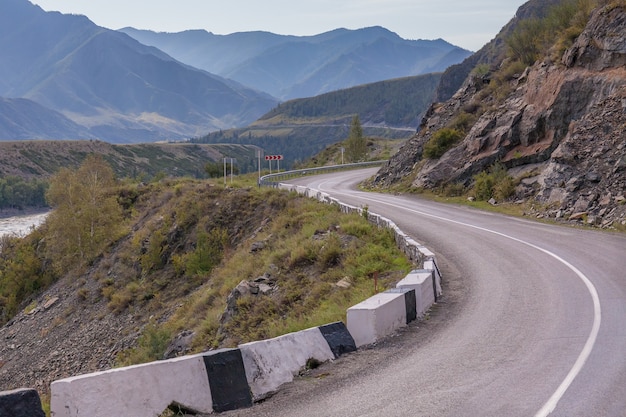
[{"x": 466, "y": 23}]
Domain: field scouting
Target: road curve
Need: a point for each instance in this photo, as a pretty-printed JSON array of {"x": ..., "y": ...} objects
[{"x": 539, "y": 324}]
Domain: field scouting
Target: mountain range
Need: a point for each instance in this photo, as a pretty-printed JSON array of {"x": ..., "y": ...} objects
[
  {"x": 63, "y": 77},
  {"x": 116, "y": 88},
  {"x": 290, "y": 67}
]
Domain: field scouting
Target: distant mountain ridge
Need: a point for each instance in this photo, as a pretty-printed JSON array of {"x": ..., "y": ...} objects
[
  {"x": 82, "y": 81},
  {"x": 116, "y": 88},
  {"x": 305, "y": 66}
]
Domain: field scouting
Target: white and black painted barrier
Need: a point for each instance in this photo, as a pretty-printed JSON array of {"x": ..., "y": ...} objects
[
  {"x": 202, "y": 383},
  {"x": 381, "y": 315},
  {"x": 274, "y": 362},
  {"x": 213, "y": 381},
  {"x": 20, "y": 403},
  {"x": 423, "y": 282}
]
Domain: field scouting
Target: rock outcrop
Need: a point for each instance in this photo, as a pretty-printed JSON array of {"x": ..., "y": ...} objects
[{"x": 561, "y": 130}]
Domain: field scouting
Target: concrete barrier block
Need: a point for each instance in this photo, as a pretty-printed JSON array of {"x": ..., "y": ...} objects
[
  {"x": 420, "y": 280},
  {"x": 427, "y": 253},
  {"x": 144, "y": 390},
  {"x": 21, "y": 403},
  {"x": 431, "y": 264},
  {"x": 271, "y": 363},
  {"x": 227, "y": 380},
  {"x": 338, "y": 338},
  {"x": 376, "y": 317},
  {"x": 409, "y": 302}
]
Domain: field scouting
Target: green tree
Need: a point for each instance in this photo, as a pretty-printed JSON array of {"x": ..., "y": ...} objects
[
  {"x": 86, "y": 215},
  {"x": 356, "y": 146},
  {"x": 214, "y": 170}
]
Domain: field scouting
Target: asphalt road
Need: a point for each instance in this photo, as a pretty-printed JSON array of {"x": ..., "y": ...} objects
[{"x": 535, "y": 324}]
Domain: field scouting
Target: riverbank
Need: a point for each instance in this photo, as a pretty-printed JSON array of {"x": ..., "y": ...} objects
[
  {"x": 30, "y": 211},
  {"x": 21, "y": 222}
]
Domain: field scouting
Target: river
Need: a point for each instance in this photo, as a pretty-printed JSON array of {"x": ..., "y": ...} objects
[{"x": 21, "y": 225}]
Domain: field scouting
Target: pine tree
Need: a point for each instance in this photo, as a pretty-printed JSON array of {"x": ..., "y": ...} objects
[{"x": 356, "y": 147}]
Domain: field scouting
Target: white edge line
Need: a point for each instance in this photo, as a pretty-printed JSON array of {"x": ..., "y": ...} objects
[{"x": 552, "y": 402}]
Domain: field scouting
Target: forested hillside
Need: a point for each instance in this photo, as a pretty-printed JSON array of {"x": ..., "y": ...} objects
[{"x": 300, "y": 128}]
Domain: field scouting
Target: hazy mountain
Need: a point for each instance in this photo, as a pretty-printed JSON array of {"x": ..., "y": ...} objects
[
  {"x": 119, "y": 89},
  {"x": 24, "y": 119},
  {"x": 305, "y": 66}
]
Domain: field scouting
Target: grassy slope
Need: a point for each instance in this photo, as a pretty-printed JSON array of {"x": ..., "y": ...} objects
[
  {"x": 37, "y": 159},
  {"x": 188, "y": 244}
]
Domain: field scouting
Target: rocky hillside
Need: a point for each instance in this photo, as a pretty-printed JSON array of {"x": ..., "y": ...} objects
[{"x": 559, "y": 128}]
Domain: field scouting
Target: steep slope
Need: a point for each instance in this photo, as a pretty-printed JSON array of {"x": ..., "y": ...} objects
[
  {"x": 24, "y": 119},
  {"x": 493, "y": 53},
  {"x": 560, "y": 131},
  {"x": 305, "y": 66},
  {"x": 108, "y": 82},
  {"x": 189, "y": 250}
]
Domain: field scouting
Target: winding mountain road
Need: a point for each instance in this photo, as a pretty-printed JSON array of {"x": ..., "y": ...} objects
[{"x": 538, "y": 325}]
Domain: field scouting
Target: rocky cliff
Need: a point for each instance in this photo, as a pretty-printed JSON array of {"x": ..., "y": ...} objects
[{"x": 561, "y": 131}]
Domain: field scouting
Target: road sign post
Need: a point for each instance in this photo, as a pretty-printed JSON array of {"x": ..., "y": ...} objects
[{"x": 276, "y": 158}]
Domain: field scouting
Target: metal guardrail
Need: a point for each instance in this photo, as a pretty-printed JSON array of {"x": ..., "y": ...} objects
[{"x": 272, "y": 180}]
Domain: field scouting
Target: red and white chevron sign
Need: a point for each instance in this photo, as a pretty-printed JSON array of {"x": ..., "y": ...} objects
[{"x": 273, "y": 157}]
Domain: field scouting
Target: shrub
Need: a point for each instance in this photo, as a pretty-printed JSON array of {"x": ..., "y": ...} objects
[
  {"x": 151, "y": 346},
  {"x": 496, "y": 183},
  {"x": 440, "y": 142},
  {"x": 559, "y": 28},
  {"x": 483, "y": 186},
  {"x": 463, "y": 122},
  {"x": 330, "y": 253},
  {"x": 453, "y": 190}
]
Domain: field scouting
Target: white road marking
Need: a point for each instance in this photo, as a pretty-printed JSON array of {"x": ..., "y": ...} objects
[{"x": 552, "y": 402}]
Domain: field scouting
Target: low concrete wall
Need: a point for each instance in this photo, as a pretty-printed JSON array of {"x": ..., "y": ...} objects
[
  {"x": 214, "y": 381},
  {"x": 271, "y": 363},
  {"x": 274, "y": 362},
  {"x": 382, "y": 314},
  {"x": 422, "y": 282},
  {"x": 378, "y": 316},
  {"x": 431, "y": 264},
  {"x": 20, "y": 403},
  {"x": 147, "y": 390}
]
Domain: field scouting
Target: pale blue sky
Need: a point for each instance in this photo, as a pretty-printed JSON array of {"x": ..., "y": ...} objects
[{"x": 466, "y": 23}]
